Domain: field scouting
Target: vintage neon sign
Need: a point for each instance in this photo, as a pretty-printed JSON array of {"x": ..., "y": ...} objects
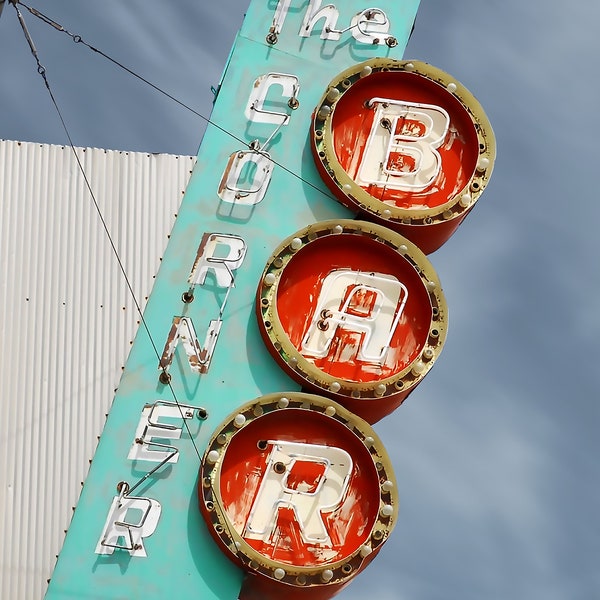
[
  {"x": 353, "y": 311},
  {"x": 405, "y": 145},
  {"x": 295, "y": 489},
  {"x": 298, "y": 491}
]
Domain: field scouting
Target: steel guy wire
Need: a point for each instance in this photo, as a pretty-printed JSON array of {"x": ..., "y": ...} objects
[{"x": 42, "y": 71}]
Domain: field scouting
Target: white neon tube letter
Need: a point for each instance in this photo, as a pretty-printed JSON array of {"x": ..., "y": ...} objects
[
  {"x": 309, "y": 499},
  {"x": 370, "y": 304}
]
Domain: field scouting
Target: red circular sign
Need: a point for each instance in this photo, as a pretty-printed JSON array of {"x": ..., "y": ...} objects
[
  {"x": 404, "y": 144},
  {"x": 354, "y": 311},
  {"x": 298, "y": 490}
]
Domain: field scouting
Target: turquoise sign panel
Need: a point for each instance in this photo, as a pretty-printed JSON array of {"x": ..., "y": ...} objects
[{"x": 137, "y": 530}]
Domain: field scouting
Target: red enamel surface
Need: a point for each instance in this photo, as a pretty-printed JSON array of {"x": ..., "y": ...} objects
[
  {"x": 243, "y": 468},
  {"x": 352, "y": 122},
  {"x": 306, "y": 475},
  {"x": 298, "y": 292}
]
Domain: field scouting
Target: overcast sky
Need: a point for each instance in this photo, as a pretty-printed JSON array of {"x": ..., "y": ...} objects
[{"x": 496, "y": 453}]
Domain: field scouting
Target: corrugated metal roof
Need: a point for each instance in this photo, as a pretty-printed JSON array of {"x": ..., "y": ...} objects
[{"x": 66, "y": 322}]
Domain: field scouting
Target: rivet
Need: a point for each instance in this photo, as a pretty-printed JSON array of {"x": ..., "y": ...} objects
[
  {"x": 330, "y": 411},
  {"x": 365, "y": 71},
  {"x": 283, "y": 402},
  {"x": 387, "y": 486},
  {"x": 296, "y": 244},
  {"x": 324, "y": 112},
  {"x": 212, "y": 457},
  {"x": 386, "y": 214},
  {"x": 418, "y": 367},
  {"x": 483, "y": 163},
  {"x": 327, "y": 575},
  {"x": 270, "y": 279},
  {"x": 465, "y": 200},
  {"x": 333, "y": 94},
  {"x": 451, "y": 87},
  {"x": 365, "y": 550},
  {"x": 239, "y": 420},
  {"x": 334, "y": 386},
  {"x": 387, "y": 510},
  {"x": 337, "y": 229},
  {"x": 380, "y": 389},
  {"x": 279, "y": 573}
]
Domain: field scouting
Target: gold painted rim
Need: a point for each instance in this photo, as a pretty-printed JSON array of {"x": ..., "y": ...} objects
[
  {"x": 304, "y": 370},
  {"x": 322, "y": 140}
]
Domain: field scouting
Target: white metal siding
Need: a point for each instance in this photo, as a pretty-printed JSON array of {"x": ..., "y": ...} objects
[{"x": 66, "y": 322}]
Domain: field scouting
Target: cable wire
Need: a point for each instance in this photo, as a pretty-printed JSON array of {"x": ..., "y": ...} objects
[
  {"x": 79, "y": 40},
  {"x": 42, "y": 71}
]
